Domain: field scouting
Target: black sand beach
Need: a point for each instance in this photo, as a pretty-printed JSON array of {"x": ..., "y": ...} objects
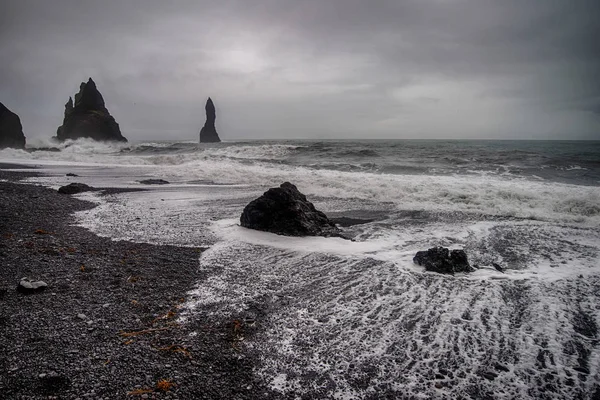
[{"x": 107, "y": 325}]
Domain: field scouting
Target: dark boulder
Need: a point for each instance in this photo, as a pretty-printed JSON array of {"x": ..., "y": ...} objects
[
  {"x": 11, "y": 130},
  {"x": 208, "y": 133},
  {"x": 443, "y": 261},
  {"x": 74, "y": 188},
  {"x": 285, "y": 211},
  {"x": 154, "y": 182},
  {"x": 88, "y": 117},
  {"x": 28, "y": 286},
  {"x": 498, "y": 267}
]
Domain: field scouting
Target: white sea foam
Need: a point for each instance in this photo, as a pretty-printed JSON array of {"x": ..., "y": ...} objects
[
  {"x": 259, "y": 152},
  {"x": 339, "y": 326}
]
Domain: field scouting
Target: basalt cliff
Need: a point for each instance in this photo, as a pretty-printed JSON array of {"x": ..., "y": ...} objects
[{"x": 11, "y": 131}]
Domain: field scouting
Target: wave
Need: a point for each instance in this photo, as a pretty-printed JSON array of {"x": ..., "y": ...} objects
[
  {"x": 407, "y": 187},
  {"x": 256, "y": 152}
]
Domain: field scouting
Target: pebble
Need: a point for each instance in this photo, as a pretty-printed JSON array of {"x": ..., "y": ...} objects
[
  {"x": 81, "y": 316},
  {"x": 26, "y": 285},
  {"x": 501, "y": 367},
  {"x": 42, "y": 375}
]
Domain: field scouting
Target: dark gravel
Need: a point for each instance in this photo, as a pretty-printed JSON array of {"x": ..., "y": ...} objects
[{"x": 67, "y": 342}]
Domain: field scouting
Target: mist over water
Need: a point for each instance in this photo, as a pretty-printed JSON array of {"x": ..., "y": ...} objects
[{"x": 341, "y": 319}]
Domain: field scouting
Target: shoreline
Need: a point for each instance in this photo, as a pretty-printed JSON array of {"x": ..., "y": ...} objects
[{"x": 107, "y": 325}]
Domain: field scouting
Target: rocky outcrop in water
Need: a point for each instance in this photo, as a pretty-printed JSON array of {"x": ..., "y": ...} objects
[
  {"x": 443, "y": 261},
  {"x": 208, "y": 133},
  {"x": 154, "y": 182},
  {"x": 11, "y": 131},
  {"x": 286, "y": 211},
  {"x": 88, "y": 117}
]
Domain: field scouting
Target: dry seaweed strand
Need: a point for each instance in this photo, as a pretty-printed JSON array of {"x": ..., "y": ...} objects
[
  {"x": 168, "y": 315},
  {"x": 143, "y": 331},
  {"x": 164, "y": 385},
  {"x": 175, "y": 348}
]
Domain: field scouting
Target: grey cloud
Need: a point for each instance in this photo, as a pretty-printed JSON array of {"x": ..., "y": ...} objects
[{"x": 284, "y": 69}]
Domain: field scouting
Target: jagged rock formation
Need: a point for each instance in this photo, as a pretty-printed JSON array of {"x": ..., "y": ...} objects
[
  {"x": 208, "y": 134},
  {"x": 285, "y": 211},
  {"x": 443, "y": 261},
  {"x": 88, "y": 117},
  {"x": 11, "y": 131}
]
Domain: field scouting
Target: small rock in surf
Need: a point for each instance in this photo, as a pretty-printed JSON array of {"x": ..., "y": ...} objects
[
  {"x": 74, "y": 188},
  {"x": 286, "y": 211},
  {"x": 443, "y": 261}
]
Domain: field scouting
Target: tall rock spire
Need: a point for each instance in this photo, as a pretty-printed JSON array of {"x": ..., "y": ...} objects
[{"x": 209, "y": 134}]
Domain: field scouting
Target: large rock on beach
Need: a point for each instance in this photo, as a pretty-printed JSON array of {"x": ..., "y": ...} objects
[
  {"x": 208, "y": 133},
  {"x": 11, "y": 130},
  {"x": 88, "y": 117},
  {"x": 74, "y": 188},
  {"x": 286, "y": 211},
  {"x": 443, "y": 261}
]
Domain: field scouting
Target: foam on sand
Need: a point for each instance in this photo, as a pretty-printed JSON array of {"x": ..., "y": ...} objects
[{"x": 341, "y": 326}]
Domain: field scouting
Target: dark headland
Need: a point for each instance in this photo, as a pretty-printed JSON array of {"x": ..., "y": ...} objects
[
  {"x": 107, "y": 323},
  {"x": 208, "y": 133},
  {"x": 11, "y": 131},
  {"x": 88, "y": 117}
]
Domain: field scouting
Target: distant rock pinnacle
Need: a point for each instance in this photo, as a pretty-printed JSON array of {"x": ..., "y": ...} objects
[
  {"x": 208, "y": 134},
  {"x": 88, "y": 117}
]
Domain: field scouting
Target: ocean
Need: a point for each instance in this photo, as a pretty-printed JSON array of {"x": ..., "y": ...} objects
[{"x": 357, "y": 319}]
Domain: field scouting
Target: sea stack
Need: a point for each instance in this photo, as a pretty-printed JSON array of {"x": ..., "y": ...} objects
[
  {"x": 88, "y": 117},
  {"x": 208, "y": 134},
  {"x": 11, "y": 131}
]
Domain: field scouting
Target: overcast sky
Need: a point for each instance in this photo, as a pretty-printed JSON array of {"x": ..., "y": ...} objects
[{"x": 310, "y": 68}]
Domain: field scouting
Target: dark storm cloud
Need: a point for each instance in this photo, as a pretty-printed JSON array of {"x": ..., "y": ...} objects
[{"x": 285, "y": 69}]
